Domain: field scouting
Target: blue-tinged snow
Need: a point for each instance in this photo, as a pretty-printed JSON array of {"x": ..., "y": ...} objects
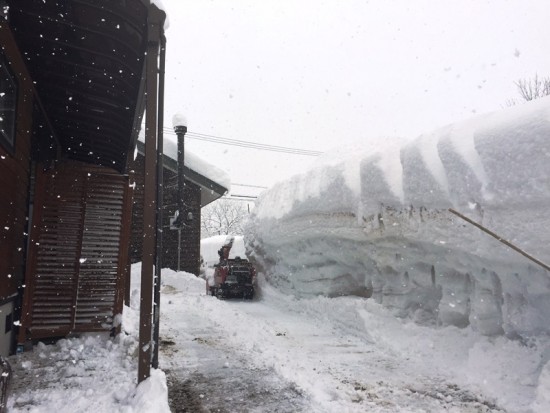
[{"x": 377, "y": 224}]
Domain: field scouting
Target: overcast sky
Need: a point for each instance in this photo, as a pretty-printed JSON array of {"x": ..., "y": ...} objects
[{"x": 321, "y": 74}]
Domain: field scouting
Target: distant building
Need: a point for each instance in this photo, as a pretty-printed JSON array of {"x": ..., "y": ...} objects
[{"x": 204, "y": 183}]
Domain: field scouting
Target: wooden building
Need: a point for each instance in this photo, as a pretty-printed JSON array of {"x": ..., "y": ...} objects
[
  {"x": 73, "y": 76},
  {"x": 200, "y": 190}
]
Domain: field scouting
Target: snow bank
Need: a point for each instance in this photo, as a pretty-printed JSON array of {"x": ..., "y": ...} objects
[
  {"x": 152, "y": 394},
  {"x": 91, "y": 373},
  {"x": 392, "y": 238}
]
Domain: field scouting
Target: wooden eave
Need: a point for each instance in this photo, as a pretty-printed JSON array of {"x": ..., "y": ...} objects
[{"x": 86, "y": 58}]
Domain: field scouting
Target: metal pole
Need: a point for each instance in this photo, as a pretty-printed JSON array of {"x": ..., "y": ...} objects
[
  {"x": 181, "y": 131},
  {"x": 155, "y": 23},
  {"x": 507, "y": 243},
  {"x": 160, "y": 196},
  {"x": 179, "y": 248}
]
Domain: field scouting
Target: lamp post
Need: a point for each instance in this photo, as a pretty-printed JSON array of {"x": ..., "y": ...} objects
[{"x": 180, "y": 127}]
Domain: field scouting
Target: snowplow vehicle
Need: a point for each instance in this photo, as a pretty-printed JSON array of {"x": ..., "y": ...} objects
[{"x": 233, "y": 278}]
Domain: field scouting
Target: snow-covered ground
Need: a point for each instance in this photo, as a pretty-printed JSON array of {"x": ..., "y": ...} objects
[
  {"x": 90, "y": 373},
  {"x": 280, "y": 353},
  {"x": 342, "y": 354}
]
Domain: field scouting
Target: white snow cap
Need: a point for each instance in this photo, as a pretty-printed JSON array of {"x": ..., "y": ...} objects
[
  {"x": 159, "y": 4},
  {"x": 179, "y": 120}
]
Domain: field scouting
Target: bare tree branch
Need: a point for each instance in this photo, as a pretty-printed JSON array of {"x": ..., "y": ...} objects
[
  {"x": 531, "y": 89},
  {"x": 223, "y": 217}
]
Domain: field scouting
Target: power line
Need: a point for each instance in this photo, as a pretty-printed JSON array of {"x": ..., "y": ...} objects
[
  {"x": 246, "y": 144},
  {"x": 240, "y": 198},
  {"x": 249, "y": 186}
]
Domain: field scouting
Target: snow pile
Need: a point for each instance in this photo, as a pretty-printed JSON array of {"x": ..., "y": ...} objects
[
  {"x": 93, "y": 372},
  {"x": 181, "y": 281},
  {"x": 391, "y": 237}
]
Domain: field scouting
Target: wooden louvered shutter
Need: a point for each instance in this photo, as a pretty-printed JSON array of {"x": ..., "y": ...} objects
[
  {"x": 100, "y": 252},
  {"x": 56, "y": 250},
  {"x": 78, "y": 251}
]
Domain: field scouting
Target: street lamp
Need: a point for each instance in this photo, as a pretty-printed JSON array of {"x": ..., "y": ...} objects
[{"x": 180, "y": 127}]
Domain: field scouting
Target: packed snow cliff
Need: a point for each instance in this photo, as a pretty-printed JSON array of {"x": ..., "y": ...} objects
[{"x": 378, "y": 225}]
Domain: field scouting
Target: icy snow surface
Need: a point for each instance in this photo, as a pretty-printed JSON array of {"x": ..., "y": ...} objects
[{"x": 386, "y": 231}]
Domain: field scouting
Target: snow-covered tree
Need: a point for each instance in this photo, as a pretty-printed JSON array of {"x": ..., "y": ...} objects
[{"x": 223, "y": 217}]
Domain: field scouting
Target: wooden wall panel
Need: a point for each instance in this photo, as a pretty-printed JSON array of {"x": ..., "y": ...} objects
[
  {"x": 99, "y": 256},
  {"x": 15, "y": 175},
  {"x": 78, "y": 251},
  {"x": 53, "y": 281}
]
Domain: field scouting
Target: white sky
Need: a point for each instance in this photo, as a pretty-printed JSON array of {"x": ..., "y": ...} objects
[{"x": 321, "y": 74}]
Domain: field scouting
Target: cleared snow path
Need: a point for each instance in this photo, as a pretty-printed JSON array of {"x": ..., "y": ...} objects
[
  {"x": 205, "y": 373},
  {"x": 281, "y": 354}
]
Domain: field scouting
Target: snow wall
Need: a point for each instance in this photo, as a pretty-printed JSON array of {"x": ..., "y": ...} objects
[{"x": 378, "y": 225}]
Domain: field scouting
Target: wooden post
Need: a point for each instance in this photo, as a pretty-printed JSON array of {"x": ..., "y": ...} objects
[
  {"x": 160, "y": 206},
  {"x": 155, "y": 26}
]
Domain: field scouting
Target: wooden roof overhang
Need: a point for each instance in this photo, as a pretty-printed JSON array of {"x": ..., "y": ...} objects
[{"x": 87, "y": 59}]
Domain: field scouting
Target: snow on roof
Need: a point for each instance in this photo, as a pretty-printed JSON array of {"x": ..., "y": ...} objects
[
  {"x": 159, "y": 4},
  {"x": 193, "y": 161}
]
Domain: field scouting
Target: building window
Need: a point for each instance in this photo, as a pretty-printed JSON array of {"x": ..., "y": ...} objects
[
  {"x": 9, "y": 322},
  {"x": 8, "y": 103}
]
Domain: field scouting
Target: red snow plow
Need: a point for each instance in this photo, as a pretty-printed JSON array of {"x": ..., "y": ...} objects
[{"x": 233, "y": 278}]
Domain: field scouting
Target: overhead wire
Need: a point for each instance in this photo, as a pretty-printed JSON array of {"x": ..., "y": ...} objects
[
  {"x": 247, "y": 185},
  {"x": 246, "y": 144}
]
